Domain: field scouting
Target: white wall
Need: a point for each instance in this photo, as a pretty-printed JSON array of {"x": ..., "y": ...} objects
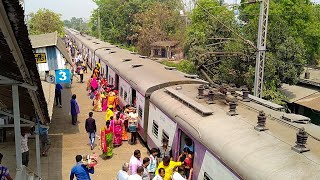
[
  {"x": 140, "y": 101},
  {"x": 111, "y": 77},
  {"x": 164, "y": 123},
  {"x": 126, "y": 88},
  {"x": 215, "y": 169}
]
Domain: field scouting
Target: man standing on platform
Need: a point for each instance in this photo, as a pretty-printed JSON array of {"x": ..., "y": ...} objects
[
  {"x": 75, "y": 110},
  {"x": 91, "y": 129},
  {"x": 58, "y": 94},
  {"x": 80, "y": 171}
]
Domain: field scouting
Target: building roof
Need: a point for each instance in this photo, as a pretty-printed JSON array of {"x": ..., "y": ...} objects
[
  {"x": 314, "y": 79},
  {"x": 165, "y": 43},
  {"x": 312, "y": 101},
  {"x": 18, "y": 63},
  {"x": 50, "y": 39}
]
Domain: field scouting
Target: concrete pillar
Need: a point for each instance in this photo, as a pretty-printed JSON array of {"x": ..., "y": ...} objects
[
  {"x": 38, "y": 154},
  {"x": 17, "y": 130}
]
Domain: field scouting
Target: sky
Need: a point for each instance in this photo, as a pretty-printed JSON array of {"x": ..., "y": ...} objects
[{"x": 68, "y": 8}]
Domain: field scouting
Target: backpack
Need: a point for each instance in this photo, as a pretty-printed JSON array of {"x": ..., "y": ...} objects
[{"x": 132, "y": 127}]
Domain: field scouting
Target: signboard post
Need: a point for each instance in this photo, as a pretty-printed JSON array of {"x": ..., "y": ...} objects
[
  {"x": 63, "y": 76},
  {"x": 40, "y": 57}
]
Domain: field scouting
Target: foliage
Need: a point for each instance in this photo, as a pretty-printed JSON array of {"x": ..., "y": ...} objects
[
  {"x": 157, "y": 23},
  {"x": 45, "y": 21},
  {"x": 78, "y": 24},
  {"x": 185, "y": 66},
  {"x": 119, "y": 23}
]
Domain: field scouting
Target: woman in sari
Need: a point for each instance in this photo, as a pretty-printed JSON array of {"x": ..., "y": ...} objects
[
  {"x": 117, "y": 130},
  {"x": 94, "y": 84},
  {"x": 97, "y": 102},
  {"x": 111, "y": 99},
  {"x": 104, "y": 101},
  {"x": 124, "y": 125},
  {"x": 106, "y": 140}
]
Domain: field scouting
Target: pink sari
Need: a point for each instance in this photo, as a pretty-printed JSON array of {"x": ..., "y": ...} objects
[
  {"x": 94, "y": 83},
  {"x": 104, "y": 104},
  {"x": 117, "y": 131}
]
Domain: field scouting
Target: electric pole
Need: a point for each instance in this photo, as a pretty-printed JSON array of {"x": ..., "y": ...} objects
[{"x": 261, "y": 46}]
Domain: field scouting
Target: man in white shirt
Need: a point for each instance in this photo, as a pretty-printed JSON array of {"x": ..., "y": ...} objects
[
  {"x": 137, "y": 176},
  {"x": 25, "y": 148},
  {"x": 178, "y": 175},
  {"x": 123, "y": 174}
]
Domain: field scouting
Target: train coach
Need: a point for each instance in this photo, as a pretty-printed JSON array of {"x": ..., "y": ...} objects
[{"x": 226, "y": 147}]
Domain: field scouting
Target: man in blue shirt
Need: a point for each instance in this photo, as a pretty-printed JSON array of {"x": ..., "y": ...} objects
[
  {"x": 58, "y": 94},
  {"x": 80, "y": 171}
]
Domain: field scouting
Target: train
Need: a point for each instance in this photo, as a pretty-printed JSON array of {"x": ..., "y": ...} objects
[{"x": 174, "y": 105}]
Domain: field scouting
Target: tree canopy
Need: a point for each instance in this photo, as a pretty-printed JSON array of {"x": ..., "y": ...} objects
[
  {"x": 78, "y": 24},
  {"x": 45, "y": 21},
  {"x": 293, "y": 39}
]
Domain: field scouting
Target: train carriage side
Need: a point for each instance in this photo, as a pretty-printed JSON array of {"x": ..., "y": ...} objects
[{"x": 228, "y": 147}]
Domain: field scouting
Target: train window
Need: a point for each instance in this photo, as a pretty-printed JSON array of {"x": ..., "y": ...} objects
[
  {"x": 121, "y": 92},
  {"x": 155, "y": 129},
  {"x": 206, "y": 177},
  {"x": 140, "y": 112},
  {"x": 165, "y": 135},
  {"x": 125, "y": 95}
]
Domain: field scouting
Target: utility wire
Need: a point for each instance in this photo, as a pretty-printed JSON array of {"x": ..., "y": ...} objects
[{"x": 226, "y": 26}]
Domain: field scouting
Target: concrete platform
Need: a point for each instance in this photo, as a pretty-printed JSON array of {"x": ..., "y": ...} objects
[{"x": 67, "y": 141}]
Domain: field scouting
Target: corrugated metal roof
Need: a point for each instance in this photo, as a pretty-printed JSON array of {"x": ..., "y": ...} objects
[
  {"x": 44, "y": 40},
  {"x": 312, "y": 101},
  {"x": 50, "y": 39},
  {"x": 10, "y": 69}
]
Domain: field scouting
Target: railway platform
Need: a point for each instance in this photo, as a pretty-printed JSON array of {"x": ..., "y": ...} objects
[{"x": 68, "y": 140}]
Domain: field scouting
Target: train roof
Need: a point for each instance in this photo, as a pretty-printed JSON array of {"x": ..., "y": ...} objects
[
  {"x": 143, "y": 74},
  {"x": 252, "y": 154}
]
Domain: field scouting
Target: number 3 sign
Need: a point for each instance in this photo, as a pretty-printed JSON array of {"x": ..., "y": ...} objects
[{"x": 63, "y": 76}]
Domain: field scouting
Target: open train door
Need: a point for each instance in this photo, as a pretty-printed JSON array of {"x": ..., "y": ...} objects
[{"x": 117, "y": 82}]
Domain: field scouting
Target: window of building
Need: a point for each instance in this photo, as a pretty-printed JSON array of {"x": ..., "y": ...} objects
[
  {"x": 155, "y": 129},
  {"x": 206, "y": 177},
  {"x": 125, "y": 95},
  {"x": 140, "y": 112},
  {"x": 165, "y": 135},
  {"x": 121, "y": 92}
]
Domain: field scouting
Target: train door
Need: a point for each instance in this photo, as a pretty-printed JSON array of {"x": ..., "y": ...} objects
[
  {"x": 117, "y": 82},
  {"x": 133, "y": 96},
  {"x": 186, "y": 149}
]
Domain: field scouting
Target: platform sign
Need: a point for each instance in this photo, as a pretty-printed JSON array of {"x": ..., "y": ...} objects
[
  {"x": 40, "y": 57},
  {"x": 63, "y": 76}
]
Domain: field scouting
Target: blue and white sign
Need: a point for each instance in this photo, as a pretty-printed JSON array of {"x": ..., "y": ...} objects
[{"x": 63, "y": 76}]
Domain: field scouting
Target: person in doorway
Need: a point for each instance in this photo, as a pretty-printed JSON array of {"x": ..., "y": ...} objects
[
  {"x": 24, "y": 146},
  {"x": 153, "y": 162},
  {"x": 164, "y": 150},
  {"x": 179, "y": 175},
  {"x": 4, "y": 171},
  {"x": 135, "y": 162},
  {"x": 80, "y": 171},
  {"x": 168, "y": 166},
  {"x": 91, "y": 129},
  {"x": 145, "y": 164},
  {"x": 58, "y": 95},
  {"x": 188, "y": 163},
  {"x": 107, "y": 140},
  {"x": 123, "y": 174},
  {"x": 160, "y": 175},
  {"x": 188, "y": 144},
  {"x": 109, "y": 113},
  {"x": 137, "y": 175},
  {"x": 75, "y": 110}
]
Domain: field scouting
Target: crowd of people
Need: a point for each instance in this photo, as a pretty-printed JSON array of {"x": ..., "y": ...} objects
[
  {"x": 119, "y": 123},
  {"x": 159, "y": 165}
]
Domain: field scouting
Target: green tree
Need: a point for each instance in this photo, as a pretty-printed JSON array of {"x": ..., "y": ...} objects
[
  {"x": 157, "y": 23},
  {"x": 46, "y": 21}
]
